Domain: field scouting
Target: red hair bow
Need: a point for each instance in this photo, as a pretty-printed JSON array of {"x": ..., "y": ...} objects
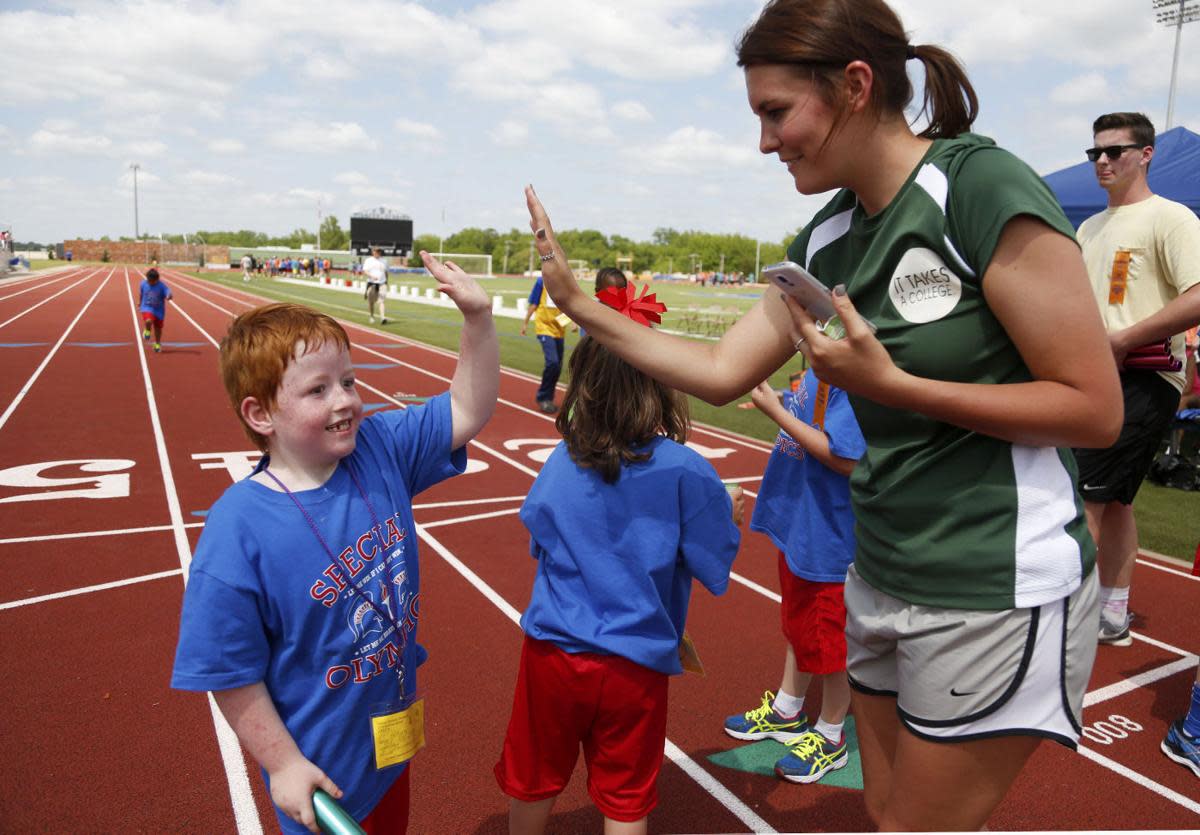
[{"x": 642, "y": 309}]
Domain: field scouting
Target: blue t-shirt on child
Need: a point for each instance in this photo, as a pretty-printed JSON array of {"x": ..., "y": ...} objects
[
  {"x": 264, "y": 602},
  {"x": 616, "y": 561},
  {"x": 803, "y": 506},
  {"x": 154, "y": 298}
]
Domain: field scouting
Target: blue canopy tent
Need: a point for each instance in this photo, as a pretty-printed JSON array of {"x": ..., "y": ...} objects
[{"x": 1174, "y": 174}]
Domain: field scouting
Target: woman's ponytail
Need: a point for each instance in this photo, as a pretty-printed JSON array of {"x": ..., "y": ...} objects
[{"x": 950, "y": 101}]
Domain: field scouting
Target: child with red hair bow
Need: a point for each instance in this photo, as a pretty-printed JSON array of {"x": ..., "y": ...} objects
[{"x": 621, "y": 518}]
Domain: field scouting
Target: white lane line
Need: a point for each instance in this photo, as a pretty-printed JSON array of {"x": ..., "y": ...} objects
[
  {"x": 17, "y": 540},
  {"x": 1184, "y": 574},
  {"x": 49, "y": 299},
  {"x": 12, "y": 406},
  {"x": 495, "y": 514},
  {"x": 467, "y": 502},
  {"x": 1128, "y": 685},
  {"x": 245, "y": 812},
  {"x": 1141, "y": 779},
  {"x": 1154, "y": 642},
  {"x": 750, "y": 584},
  {"x": 35, "y": 285},
  {"x": 690, "y": 767},
  {"x": 44, "y": 598}
]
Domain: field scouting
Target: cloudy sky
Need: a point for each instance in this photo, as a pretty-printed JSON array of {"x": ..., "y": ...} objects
[{"x": 628, "y": 115}]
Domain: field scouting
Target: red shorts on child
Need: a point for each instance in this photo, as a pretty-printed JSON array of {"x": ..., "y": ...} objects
[
  {"x": 814, "y": 621},
  {"x": 390, "y": 815},
  {"x": 614, "y": 708},
  {"x": 150, "y": 319}
]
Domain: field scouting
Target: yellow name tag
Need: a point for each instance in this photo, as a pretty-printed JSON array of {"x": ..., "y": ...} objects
[{"x": 399, "y": 736}]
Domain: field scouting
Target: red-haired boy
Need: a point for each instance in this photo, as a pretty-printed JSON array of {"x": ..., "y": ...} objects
[{"x": 302, "y": 603}]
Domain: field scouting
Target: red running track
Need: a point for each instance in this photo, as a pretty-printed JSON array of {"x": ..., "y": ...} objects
[{"x": 109, "y": 457}]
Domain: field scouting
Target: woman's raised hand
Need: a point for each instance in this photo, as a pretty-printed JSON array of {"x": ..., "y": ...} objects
[{"x": 557, "y": 277}]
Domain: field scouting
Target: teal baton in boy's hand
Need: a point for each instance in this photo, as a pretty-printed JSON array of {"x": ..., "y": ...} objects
[{"x": 332, "y": 818}]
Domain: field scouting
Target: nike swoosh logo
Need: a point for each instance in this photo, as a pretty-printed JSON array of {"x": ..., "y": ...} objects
[
  {"x": 954, "y": 692},
  {"x": 1092, "y": 486}
]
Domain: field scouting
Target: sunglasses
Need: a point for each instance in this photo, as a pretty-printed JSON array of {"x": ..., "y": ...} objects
[{"x": 1111, "y": 151}]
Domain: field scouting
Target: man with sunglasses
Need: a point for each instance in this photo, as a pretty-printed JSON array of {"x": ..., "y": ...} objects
[{"x": 1143, "y": 257}]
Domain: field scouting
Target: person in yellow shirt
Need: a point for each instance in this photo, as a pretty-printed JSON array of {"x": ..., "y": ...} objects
[
  {"x": 550, "y": 334},
  {"x": 1143, "y": 258}
]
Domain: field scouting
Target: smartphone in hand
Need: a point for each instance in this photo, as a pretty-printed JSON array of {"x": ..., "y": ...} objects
[{"x": 813, "y": 296}]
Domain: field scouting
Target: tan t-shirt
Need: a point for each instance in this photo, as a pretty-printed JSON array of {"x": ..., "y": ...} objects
[{"x": 1162, "y": 239}]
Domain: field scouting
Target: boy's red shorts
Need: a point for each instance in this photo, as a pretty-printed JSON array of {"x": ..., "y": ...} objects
[
  {"x": 614, "y": 708},
  {"x": 390, "y": 815},
  {"x": 814, "y": 621},
  {"x": 150, "y": 319}
]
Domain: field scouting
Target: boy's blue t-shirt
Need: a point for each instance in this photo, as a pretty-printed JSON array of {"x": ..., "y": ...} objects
[
  {"x": 264, "y": 603},
  {"x": 616, "y": 561},
  {"x": 154, "y": 297},
  {"x": 803, "y": 506}
]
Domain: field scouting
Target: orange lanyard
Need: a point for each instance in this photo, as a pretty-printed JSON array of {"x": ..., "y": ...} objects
[
  {"x": 1119, "y": 278},
  {"x": 822, "y": 402}
]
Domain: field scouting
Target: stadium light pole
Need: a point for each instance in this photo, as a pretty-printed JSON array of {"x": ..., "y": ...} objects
[
  {"x": 1184, "y": 11},
  {"x": 134, "y": 167}
]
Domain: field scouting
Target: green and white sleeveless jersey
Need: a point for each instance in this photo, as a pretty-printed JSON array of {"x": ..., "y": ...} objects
[{"x": 945, "y": 516}]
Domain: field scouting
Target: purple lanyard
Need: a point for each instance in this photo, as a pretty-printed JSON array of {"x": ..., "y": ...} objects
[{"x": 399, "y": 593}]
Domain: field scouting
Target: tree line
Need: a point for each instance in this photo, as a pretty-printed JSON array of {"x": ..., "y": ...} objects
[{"x": 668, "y": 250}]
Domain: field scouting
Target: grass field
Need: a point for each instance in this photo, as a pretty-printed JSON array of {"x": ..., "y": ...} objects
[{"x": 1168, "y": 519}]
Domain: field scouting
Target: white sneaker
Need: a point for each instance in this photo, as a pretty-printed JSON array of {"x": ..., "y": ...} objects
[
  {"x": 370, "y": 320},
  {"x": 1115, "y": 636}
]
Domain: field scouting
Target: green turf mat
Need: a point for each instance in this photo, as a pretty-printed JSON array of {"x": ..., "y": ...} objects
[{"x": 760, "y": 758}]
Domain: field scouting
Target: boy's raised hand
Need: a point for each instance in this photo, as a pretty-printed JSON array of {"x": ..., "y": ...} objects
[{"x": 463, "y": 290}]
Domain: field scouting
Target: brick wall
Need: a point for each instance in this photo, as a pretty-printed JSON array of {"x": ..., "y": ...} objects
[{"x": 143, "y": 252}]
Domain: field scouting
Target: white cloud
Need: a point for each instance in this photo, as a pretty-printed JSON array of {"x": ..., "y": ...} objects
[
  {"x": 377, "y": 193},
  {"x": 208, "y": 179},
  {"x": 46, "y": 141},
  {"x": 145, "y": 179},
  {"x": 302, "y": 198},
  {"x": 323, "y": 67},
  {"x": 510, "y": 133},
  {"x": 418, "y": 130},
  {"x": 333, "y": 137},
  {"x": 311, "y": 195},
  {"x": 1081, "y": 89},
  {"x": 352, "y": 178},
  {"x": 692, "y": 150},
  {"x": 635, "y": 39},
  {"x": 147, "y": 148},
  {"x": 226, "y": 146},
  {"x": 631, "y": 111}
]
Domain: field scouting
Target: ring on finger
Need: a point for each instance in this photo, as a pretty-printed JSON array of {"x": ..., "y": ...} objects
[{"x": 549, "y": 256}]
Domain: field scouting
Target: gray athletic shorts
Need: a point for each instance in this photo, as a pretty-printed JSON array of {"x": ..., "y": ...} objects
[{"x": 960, "y": 674}]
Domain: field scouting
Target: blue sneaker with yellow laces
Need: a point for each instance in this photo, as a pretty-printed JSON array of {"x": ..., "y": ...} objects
[
  {"x": 764, "y": 723},
  {"x": 811, "y": 757}
]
